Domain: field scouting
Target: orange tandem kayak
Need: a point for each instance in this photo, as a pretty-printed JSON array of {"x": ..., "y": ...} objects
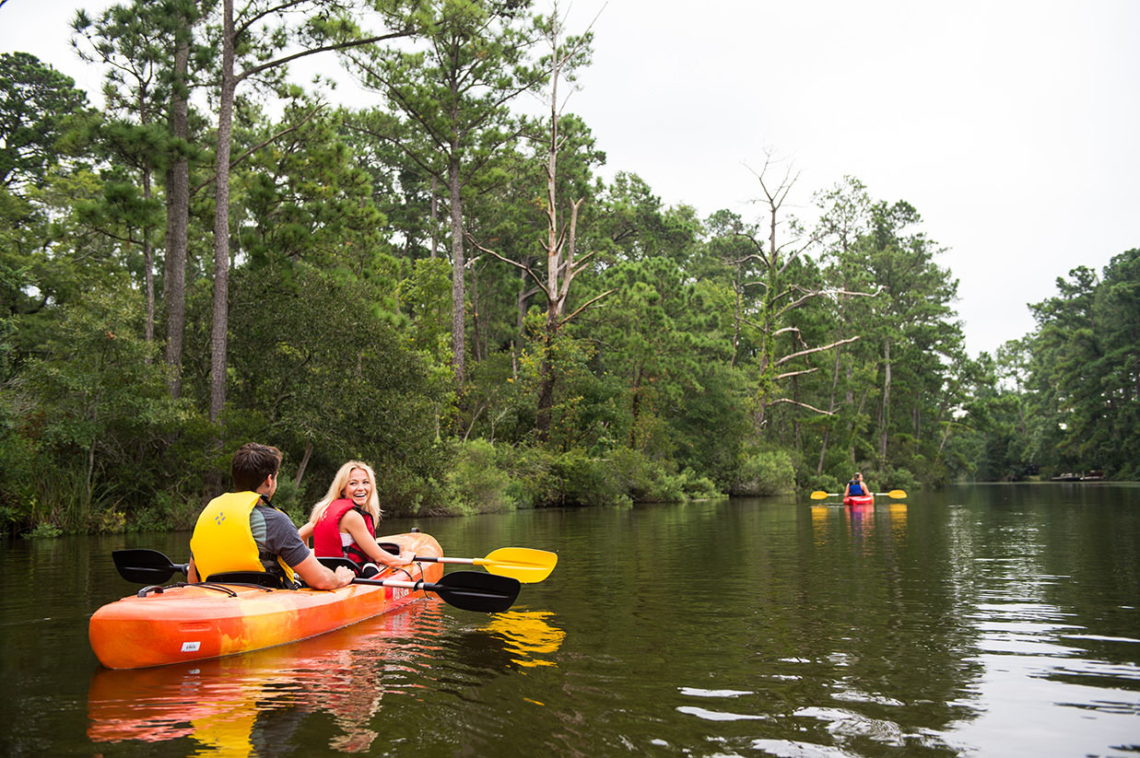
[{"x": 192, "y": 622}]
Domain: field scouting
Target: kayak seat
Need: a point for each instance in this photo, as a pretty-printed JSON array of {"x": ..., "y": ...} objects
[
  {"x": 260, "y": 578},
  {"x": 332, "y": 563}
]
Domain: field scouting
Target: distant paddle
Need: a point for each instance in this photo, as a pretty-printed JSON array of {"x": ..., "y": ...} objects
[
  {"x": 469, "y": 590},
  {"x": 821, "y": 495},
  {"x": 522, "y": 563}
]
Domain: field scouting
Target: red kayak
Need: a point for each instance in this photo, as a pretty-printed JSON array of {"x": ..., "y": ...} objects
[{"x": 859, "y": 500}]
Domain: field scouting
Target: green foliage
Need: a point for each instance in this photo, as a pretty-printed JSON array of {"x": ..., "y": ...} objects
[
  {"x": 35, "y": 101},
  {"x": 690, "y": 357},
  {"x": 584, "y": 480},
  {"x": 1079, "y": 398},
  {"x": 821, "y": 482},
  {"x": 763, "y": 473},
  {"x": 43, "y": 530},
  {"x": 424, "y": 295},
  {"x": 318, "y": 365},
  {"x": 477, "y": 482},
  {"x": 896, "y": 478},
  {"x": 650, "y": 481},
  {"x": 531, "y": 476},
  {"x": 96, "y": 404}
]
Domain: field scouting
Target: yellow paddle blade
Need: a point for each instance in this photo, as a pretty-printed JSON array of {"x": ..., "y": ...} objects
[
  {"x": 522, "y": 563},
  {"x": 821, "y": 495},
  {"x": 897, "y": 493}
]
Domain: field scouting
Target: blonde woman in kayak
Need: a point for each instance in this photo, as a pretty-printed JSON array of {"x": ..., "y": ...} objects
[{"x": 343, "y": 522}]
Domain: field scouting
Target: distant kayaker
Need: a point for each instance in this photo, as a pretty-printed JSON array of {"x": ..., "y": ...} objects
[
  {"x": 242, "y": 531},
  {"x": 856, "y": 487},
  {"x": 343, "y": 522}
]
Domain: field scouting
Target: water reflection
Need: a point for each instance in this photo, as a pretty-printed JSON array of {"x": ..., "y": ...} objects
[
  {"x": 860, "y": 519},
  {"x": 529, "y": 636},
  {"x": 897, "y": 513},
  {"x": 997, "y": 621},
  {"x": 1026, "y": 636}
]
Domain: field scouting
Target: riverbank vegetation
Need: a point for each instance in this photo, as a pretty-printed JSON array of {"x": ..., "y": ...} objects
[{"x": 444, "y": 285}]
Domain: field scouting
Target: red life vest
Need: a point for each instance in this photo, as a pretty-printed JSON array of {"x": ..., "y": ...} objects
[{"x": 326, "y": 533}]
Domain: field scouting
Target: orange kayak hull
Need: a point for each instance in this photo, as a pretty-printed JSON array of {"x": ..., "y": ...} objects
[{"x": 187, "y": 623}]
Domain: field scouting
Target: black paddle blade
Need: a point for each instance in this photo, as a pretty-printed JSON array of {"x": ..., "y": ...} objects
[
  {"x": 144, "y": 566},
  {"x": 476, "y": 591}
]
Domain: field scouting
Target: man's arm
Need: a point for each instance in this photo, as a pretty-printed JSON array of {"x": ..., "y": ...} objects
[{"x": 317, "y": 576}]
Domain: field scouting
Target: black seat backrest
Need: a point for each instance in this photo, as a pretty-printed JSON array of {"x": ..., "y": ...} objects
[
  {"x": 332, "y": 563},
  {"x": 391, "y": 547},
  {"x": 260, "y": 578}
]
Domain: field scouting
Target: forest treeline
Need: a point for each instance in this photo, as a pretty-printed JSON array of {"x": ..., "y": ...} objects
[{"x": 441, "y": 284}]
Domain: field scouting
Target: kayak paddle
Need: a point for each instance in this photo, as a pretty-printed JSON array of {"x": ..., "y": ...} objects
[
  {"x": 821, "y": 495},
  {"x": 522, "y": 563},
  {"x": 145, "y": 566},
  {"x": 469, "y": 590}
]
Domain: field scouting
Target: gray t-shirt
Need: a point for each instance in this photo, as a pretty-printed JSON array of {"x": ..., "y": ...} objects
[{"x": 276, "y": 534}]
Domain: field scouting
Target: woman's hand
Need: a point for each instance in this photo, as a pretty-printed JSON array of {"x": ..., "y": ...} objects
[{"x": 403, "y": 559}]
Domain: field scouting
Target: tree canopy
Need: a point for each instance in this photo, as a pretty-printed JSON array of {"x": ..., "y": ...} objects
[{"x": 216, "y": 255}]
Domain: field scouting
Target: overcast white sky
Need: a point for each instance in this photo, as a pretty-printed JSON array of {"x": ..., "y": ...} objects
[{"x": 1013, "y": 126}]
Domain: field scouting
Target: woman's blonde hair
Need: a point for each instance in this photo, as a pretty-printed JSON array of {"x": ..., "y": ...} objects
[{"x": 336, "y": 491}]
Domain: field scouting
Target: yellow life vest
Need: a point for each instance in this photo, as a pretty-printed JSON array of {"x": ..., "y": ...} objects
[{"x": 223, "y": 539}]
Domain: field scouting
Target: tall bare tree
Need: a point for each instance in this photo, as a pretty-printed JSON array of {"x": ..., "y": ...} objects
[
  {"x": 563, "y": 261},
  {"x": 780, "y": 298}
]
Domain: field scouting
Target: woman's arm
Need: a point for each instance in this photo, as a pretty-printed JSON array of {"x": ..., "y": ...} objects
[
  {"x": 306, "y": 531},
  {"x": 353, "y": 523}
]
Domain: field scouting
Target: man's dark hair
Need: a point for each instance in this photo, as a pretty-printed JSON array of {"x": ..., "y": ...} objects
[{"x": 252, "y": 463}]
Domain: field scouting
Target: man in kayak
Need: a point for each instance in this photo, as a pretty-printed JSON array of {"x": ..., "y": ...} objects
[
  {"x": 242, "y": 531},
  {"x": 856, "y": 487}
]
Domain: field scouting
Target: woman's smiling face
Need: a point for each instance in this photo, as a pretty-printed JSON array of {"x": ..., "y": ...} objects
[{"x": 358, "y": 488}]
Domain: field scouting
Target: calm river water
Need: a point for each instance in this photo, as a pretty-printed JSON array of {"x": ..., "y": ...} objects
[{"x": 988, "y": 620}]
